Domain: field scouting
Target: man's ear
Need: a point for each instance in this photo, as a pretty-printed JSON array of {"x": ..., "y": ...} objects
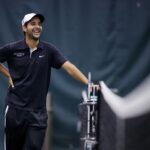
[{"x": 24, "y": 28}]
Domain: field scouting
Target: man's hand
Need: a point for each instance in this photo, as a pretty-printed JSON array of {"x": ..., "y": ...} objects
[
  {"x": 10, "y": 82},
  {"x": 94, "y": 87}
]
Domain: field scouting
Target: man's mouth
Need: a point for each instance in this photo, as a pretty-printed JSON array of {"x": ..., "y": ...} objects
[{"x": 36, "y": 32}]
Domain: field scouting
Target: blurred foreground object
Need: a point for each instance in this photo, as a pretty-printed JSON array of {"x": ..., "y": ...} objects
[{"x": 125, "y": 121}]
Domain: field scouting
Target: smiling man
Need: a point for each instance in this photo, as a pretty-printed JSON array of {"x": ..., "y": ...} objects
[{"x": 29, "y": 62}]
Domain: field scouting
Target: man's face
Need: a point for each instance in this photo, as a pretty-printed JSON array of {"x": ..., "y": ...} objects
[{"x": 33, "y": 29}]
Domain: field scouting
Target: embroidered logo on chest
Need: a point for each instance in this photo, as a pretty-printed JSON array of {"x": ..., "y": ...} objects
[{"x": 19, "y": 54}]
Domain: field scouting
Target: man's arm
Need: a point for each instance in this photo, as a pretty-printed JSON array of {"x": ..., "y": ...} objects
[
  {"x": 74, "y": 72},
  {"x": 5, "y": 72}
]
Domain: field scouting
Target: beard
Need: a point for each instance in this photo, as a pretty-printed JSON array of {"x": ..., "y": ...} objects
[
  {"x": 35, "y": 38},
  {"x": 32, "y": 35}
]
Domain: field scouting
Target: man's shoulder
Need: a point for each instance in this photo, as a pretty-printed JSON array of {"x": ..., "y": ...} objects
[
  {"x": 48, "y": 45},
  {"x": 16, "y": 44},
  {"x": 12, "y": 44}
]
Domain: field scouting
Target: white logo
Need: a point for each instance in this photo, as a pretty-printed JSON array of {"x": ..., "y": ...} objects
[
  {"x": 19, "y": 54},
  {"x": 41, "y": 56}
]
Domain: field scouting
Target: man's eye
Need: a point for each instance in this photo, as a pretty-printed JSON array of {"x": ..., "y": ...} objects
[{"x": 32, "y": 23}]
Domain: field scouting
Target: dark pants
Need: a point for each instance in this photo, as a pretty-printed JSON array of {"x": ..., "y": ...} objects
[{"x": 25, "y": 130}]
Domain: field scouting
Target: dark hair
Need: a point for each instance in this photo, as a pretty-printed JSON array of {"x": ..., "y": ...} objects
[{"x": 26, "y": 26}]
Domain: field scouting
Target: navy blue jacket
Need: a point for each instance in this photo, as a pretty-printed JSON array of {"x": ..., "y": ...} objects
[{"x": 30, "y": 73}]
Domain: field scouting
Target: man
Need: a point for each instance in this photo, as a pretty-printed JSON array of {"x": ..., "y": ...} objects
[{"x": 30, "y": 62}]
